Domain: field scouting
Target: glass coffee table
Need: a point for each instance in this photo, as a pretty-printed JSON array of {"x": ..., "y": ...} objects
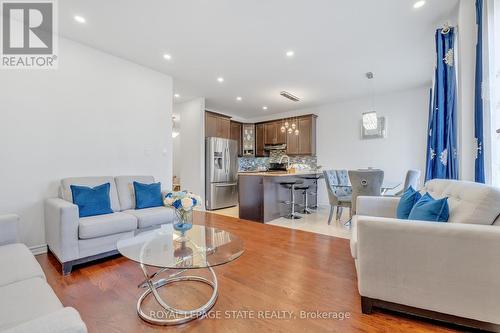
[{"x": 172, "y": 255}]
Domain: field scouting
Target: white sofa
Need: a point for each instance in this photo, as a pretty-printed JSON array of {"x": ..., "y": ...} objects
[
  {"x": 446, "y": 271},
  {"x": 27, "y": 303},
  {"x": 75, "y": 240}
]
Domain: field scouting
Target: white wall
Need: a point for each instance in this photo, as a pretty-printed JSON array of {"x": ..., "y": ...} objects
[
  {"x": 339, "y": 145},
  {"x": 177, "y": 153},
  {"x": 192, "y": 150},
  {"x": 95, "y": 115}
]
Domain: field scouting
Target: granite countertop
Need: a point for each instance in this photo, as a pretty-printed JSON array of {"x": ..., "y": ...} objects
[{"x": 280, "y": 173}]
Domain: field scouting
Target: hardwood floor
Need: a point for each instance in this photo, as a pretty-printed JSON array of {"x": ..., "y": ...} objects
[{"x": 281, "y": 270}]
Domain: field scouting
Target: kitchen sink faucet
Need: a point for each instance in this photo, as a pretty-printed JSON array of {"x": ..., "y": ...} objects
[{"x": 288, "y": 161}]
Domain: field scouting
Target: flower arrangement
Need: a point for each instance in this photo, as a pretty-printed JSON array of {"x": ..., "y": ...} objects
[{"x": 183, "y": 203}]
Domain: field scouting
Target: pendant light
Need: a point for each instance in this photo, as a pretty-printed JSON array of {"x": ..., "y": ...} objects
[{"x": 370, "y": 120}]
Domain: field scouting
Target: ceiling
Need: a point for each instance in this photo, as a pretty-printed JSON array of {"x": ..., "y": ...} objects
[{"x": 335, "y": 43}]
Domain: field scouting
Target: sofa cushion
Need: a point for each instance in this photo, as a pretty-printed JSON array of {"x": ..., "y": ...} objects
[
  {"x": 92, "y": 201},
  {"x": 65, "y": 320},
  {"x": 152, "y": 216},
  {"x": 26, "y": 300},
  {"x": 125, "y": 187},
  {"x": 18, "y": 263},
  {"x": 103, "y": 225},
  {"x": 90, "y": 181},
  {"x": 430, "y": 209},
  {"x": 469, "y": 202}
]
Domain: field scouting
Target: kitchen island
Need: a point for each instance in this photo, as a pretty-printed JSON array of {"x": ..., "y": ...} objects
[{"x": 262, "y": 197}]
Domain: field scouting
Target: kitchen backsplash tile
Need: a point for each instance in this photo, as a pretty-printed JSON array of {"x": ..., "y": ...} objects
[{"x": 255, "y": 163}]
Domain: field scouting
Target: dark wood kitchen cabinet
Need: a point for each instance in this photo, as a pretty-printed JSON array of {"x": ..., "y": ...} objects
[
  {"x": 217, "y": 125},
  {"x": 305, "y": 142},
  {"x": 259, "y": 140},
  {"x": 236, "y": 128},
  {"x": 273, "y": 134}
]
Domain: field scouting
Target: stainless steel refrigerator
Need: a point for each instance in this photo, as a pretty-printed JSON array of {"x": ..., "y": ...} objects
[{"x": 221, "y": 173}]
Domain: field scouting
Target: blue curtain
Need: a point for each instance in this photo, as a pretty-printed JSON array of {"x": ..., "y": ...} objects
[
  {"x": 442, "y": 161},
  {"x": 478, "y": 100}
]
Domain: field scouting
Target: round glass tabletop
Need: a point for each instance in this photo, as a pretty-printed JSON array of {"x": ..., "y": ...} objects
[{"x": 201, "y": 247}]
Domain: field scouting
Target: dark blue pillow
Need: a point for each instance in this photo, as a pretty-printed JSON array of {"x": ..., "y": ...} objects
[
  {"x": 92, "y": 200},
  {"x": 147, "y": 195},
  {"x": 406, "y": 203},
  {"x": 430, "y": 209}
]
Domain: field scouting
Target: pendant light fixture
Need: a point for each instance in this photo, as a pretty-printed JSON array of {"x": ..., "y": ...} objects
[{"x": 370, "y": 119}]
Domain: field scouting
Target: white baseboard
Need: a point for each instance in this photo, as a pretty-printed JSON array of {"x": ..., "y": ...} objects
[{"x": 38, "y": 249}]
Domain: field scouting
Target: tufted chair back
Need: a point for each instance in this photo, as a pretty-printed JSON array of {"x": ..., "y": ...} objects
[
  {"x": 365, "y": 183},
  {"x": 333, "y": 179}
]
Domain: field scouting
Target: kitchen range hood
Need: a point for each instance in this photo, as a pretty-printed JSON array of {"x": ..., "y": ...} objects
[{"x": 275, "y": 147}]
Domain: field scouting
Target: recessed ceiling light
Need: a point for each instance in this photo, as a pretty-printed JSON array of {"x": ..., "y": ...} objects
[
  {"x": 419, "y": 4},
  {"x": 264, "y": 108},
  {"x": 80, "y": 19},
  {"x": 167, "y": 56},
  {"x": 177, "y": 95},
  {"x": 239, "y": 98},
  {"x": 290, "y": 53},
  {"x": 220, "y": 79}
]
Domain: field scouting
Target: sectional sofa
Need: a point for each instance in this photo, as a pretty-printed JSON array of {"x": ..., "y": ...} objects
[
  {"x": 445, "y": 271},
  {"x": 74, "y": 240},
  {"x": 27, "y": 303}
]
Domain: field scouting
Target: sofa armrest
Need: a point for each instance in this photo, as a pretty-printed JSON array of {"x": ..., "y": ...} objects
[
  {"x": 61, "y": 228},
  {"x": 377, "y": 206},
  {"x": 9, "y": 232},
  {"x": 451, "y": 268},
  {"x": 65, "y": 320}
]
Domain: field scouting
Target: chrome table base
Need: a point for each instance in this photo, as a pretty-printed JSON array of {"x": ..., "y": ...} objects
[{"x": 171, "y": 315}]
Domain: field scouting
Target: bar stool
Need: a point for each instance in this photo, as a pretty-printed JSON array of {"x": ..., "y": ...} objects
[
  {"x": 291, "y": 185},
  {"x": 312, "y": 191},
  {"x": 305, "y": 193}
]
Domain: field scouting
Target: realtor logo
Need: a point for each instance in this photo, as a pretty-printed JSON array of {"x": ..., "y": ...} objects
[{"x": 28, "y": 34}]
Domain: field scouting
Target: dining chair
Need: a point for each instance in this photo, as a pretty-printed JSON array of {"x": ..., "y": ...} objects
[
  {"x": 365, "y": 183},
  {"x": 412, "y": 179},
  {"x": 339, "y": 191}
]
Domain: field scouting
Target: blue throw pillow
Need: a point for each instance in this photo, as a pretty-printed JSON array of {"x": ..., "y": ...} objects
[
  {"x": 430, "y": 209},
  {"x": 409, "y": 198},
  {"x": 92, "y": 200},
  {"x": 147, "y": 195}
]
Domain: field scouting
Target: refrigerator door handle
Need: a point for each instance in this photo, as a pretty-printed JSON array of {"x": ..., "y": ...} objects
[
  {"x": 227, "y": 160},
  {"x": 226, "y": 185}
]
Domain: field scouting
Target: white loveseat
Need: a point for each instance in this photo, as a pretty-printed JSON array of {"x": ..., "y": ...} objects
[
  {"x": 75, "y": 240},
  {"x": 27, "y": 303},
  {"x": 446, "y": 271}
]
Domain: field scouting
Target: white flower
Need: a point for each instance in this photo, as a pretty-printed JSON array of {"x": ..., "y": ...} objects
[
  {"x": 168, "y": 201},
  {"x": 187, "y": 203}
]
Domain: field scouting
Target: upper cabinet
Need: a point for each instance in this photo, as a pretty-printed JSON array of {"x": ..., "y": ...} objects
[
  {"x": 217, "y": 125},
  {"x": 307, "y": 135},
  {"x": 305, "y": 142},
  {"x": 235, "y": 129},
  {"x": 273, "y": 134},
  {"x": 266, "y": 133},
  {"x": 259, "y": 140}
]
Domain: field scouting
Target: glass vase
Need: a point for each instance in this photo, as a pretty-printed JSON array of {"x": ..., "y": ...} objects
[{"x": 183, "y": 223}]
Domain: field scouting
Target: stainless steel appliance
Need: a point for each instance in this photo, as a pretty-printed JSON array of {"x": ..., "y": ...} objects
[{"x": 221, "y": 173}]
